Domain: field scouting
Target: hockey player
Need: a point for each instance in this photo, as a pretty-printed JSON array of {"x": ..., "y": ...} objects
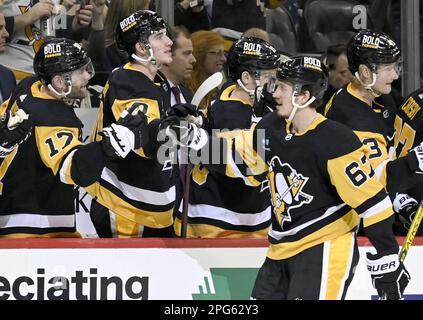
[
  {"x": 408, "y": 135},
  {"x": 135, "y": 197},
  {"x": 221, "y": 206},
  {"x": 365, "y": 106},
  {"x": 321, "y": 183},
  {"x": 37, "y": 178}
]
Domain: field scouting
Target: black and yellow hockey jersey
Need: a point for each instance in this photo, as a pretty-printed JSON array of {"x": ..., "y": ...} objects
[
  {"x": 221, "y": 206},
  {"x": 37, "y": 194},
  {"x": 320, "y": 181},
  {"x": 409, "y": 133},
  {"x": 409, "y": 123},
  {"x": 374, "y": 125},
  {"x": 139, "y": 187}
]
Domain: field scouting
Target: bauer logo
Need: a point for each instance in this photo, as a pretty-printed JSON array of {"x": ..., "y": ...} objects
[
  {"x": 252, "y": 48},
  {"x": 80, "y": 285},
  {"x": 127, "y": 23}
]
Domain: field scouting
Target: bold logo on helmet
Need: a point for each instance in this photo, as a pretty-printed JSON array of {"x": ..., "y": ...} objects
[
  {"x": 370, "y": 42},
  {"x": 312, "y": 63},
  {"x": 252, "y": 48},
  {"x": 286, "y": 189},
  {"x": 52, "y": 50},
  {"x": 127, "y": 23}
]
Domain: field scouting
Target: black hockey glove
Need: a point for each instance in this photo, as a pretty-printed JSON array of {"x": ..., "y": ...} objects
[
  {"x": 187, "y": 111},
  {"x": 418, "y": 152},
  {"x": 183, "y": 133},
  {"x": 14, "y": 130},
  {"x": 406, "y": 207},
  {"x": 263, "y": 99},
  {"x": 389, "y": 276},
  {"x": 130, "y": 132}
]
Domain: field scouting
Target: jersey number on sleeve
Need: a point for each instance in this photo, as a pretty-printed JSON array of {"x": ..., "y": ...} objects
[
  {"x": 404, "y": 135},
  {"x": 55, "y": 144},
  {"x": 356, "y": 172}
]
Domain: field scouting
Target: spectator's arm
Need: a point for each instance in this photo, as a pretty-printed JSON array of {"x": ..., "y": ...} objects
[{"x": 41, "y": 9}]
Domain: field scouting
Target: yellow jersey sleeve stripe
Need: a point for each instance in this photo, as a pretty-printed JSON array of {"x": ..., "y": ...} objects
[
  {"x": 125, "y": 209},
  {"x": 367, "y": 222}
]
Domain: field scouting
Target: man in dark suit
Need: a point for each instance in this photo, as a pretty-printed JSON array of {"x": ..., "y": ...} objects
[
  {"x": 179, "y": 70},
  {"x": 7, "y": 79}
]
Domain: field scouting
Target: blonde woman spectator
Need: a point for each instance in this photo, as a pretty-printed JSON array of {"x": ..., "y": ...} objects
[{"x": 210, "y": 55}]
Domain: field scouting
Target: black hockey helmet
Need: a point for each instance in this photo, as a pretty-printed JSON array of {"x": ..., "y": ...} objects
[
  {"x": 304, "y": 71},
  {"x": 137, "y": 28},
  {"x": 59, "y": 56},
  {"x": 251, "y": 54},
  {"x": 371, "y": 48}
]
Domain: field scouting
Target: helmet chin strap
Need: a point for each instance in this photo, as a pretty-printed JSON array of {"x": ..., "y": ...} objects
[
  {"x": 243, "y": 87},
  {"x": 297, "y": 106},
  {"x": 151, "y": 59},
  {"x": 368, "y": 87},
  {"x": 68, "y": 82}
]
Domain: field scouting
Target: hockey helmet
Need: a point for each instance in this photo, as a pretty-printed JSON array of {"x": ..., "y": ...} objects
[
  {"x": 59, "y": 56},
  {"x": 371, "y": 48},
  {"x": 251, "y": 54},
  {"x": 304, "y": 71},
  {"x": 137, "y": 28}
]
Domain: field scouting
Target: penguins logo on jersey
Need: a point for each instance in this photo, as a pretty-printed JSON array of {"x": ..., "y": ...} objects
[{"x": 286, "y": 189}]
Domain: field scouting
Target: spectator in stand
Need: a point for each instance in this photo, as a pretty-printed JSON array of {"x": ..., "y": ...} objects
[
  {"x": 7, "y": 79},
  {"x": 179, "y": 71},
  {"x": 209, "y": 51},
  {"x": 192, "y": 15},
  {"x": 256, "y": 33},
  {"x": 23, "y": 24}
]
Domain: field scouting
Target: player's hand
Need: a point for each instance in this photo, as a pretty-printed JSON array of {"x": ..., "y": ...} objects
[
  {"x": 14, "y": 130},
  {"x": 188, "y": 112},
  {"x": 389, "y": 276},
  {"x": 418, "y": 152},
  {"x": 130, "y": 132},
  {"x": 263, "y": 100},
  {"x": 406, "y": 207},
  {"x": 183, "y": 133}
]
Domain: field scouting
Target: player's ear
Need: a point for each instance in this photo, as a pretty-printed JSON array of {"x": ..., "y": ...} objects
[
  {"x": 364, "y": 72},
  {"x": 140, "y": 49},
  {"x": 58, "y": 82}
]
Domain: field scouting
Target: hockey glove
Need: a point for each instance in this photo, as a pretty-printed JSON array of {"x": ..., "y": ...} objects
[
  {"x": 264, "y": 102},
  {"x": 14, "y": 130},
  {"x": 389, "y": 276},
  {"x": 406, "y": 207},
  {"x": 183, "y": 133},
  {"x": 418, "y": 151},
  {"x": 130, "y": 132},
  {"x": 188, "y": 112}
]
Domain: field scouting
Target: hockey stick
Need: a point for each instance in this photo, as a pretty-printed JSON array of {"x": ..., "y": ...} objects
[
  {"x": 207, "y": 86},
  {"x": 411, "y": 234}
]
